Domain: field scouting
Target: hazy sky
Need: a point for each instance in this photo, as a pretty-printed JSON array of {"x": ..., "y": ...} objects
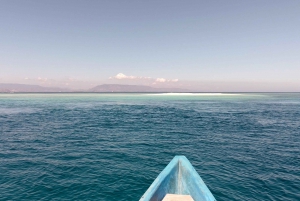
[{"x": 83, "y": 43}]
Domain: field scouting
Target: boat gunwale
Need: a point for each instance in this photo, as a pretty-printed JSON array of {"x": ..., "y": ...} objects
[{"x": 178, "y": 161}]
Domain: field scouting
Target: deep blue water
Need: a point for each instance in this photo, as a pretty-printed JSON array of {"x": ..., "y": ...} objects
[{"x": 112, "y": 146}]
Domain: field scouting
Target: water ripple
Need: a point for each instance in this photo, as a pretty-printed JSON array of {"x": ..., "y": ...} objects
[{"x": 105, "y": 147}]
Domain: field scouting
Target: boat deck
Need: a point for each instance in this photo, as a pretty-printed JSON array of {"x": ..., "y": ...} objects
[{"x": 173, "y": 197}]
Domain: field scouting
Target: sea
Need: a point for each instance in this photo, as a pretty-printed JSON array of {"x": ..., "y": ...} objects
[{"x": 111, "y": 146}]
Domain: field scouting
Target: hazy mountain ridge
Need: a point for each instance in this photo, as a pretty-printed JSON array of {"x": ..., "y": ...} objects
[
  {"x": 132, "y": 88},
  {"x": 108, "y": 88},
  {"x": 11, "y": 88}
]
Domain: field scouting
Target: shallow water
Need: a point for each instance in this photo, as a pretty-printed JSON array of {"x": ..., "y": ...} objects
[{"x": 112, "y": 146}]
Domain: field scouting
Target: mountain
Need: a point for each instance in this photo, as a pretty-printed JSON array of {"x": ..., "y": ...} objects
[
  {"x": 132, "y": 88},
  {"x": 11, "y": 88},
  {"x": 23, "y": 88}
]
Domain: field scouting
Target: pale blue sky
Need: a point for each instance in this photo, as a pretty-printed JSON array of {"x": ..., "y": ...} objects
[{"x": 193, "y": 41}]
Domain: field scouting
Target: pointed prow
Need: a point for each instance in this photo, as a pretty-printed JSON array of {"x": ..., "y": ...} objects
[{"x": 178, "y": 179}]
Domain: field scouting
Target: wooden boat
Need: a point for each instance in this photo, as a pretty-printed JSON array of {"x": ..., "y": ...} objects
[{"x": 178, "y": 181}]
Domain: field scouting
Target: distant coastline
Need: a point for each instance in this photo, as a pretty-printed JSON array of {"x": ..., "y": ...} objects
[
  {"x": 7, "y": 88},
  {"x": 104, "y": 88}
]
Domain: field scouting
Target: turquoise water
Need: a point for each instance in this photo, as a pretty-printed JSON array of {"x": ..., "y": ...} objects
[{"x": 112, "y": 146}]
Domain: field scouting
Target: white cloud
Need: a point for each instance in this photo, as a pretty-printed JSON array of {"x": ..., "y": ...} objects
[
  {"x": 42, "y": 79},
  {"x": 165, "y": 80},
  {"x": 160, "y": 80},
  {"x": 121, "y": 76}
]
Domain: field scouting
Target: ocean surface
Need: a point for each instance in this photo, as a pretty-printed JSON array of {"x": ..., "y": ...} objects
[{"x": 111, "y": 147}]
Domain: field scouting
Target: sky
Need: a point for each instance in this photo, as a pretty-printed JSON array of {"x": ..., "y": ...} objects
[{"x": 199, "y": 45}]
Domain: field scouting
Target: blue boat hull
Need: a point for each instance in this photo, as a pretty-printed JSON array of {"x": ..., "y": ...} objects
[{"x": 179, "y": 177}]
